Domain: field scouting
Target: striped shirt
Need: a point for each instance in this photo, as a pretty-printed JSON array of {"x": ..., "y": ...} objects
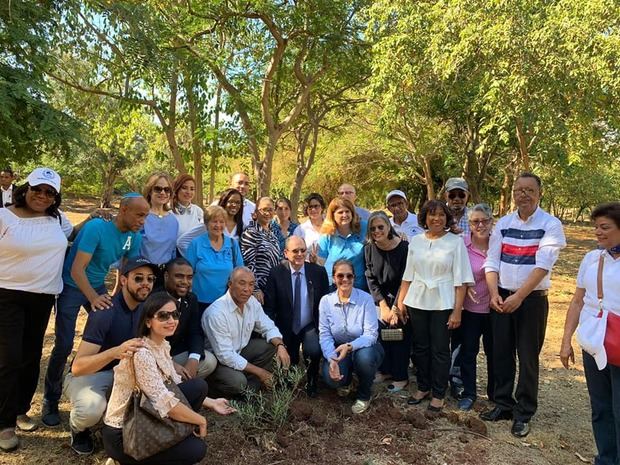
[
  {"x": 517, "y": 247},
  {"x": 261, "y": 252}
]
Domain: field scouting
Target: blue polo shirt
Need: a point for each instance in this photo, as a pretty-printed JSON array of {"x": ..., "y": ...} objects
[
  {"x": 107, "y": 245},
  {"x": 334, "y": 247},
  {"x": 110, "y": 328},
  {"x": 212, "y": 268}
]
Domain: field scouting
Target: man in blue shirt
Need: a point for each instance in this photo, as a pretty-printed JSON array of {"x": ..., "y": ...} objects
[
  {"x": 99, "y": 244},
  {"x": 109, "y": 336}
]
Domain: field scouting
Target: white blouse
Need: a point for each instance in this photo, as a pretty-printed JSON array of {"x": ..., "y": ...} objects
[
  {"x": 149, "y": 362},
  {"x": 434, "y": 268},
  {"x": 33, "y": 251},
  {"x": 191, "y": 217},
  {"x": 306, "y": 231},
  {"x": 587, "y": 278}
]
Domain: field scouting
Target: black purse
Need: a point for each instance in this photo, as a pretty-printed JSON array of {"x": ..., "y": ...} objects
[{"x": 145, "y": 432}]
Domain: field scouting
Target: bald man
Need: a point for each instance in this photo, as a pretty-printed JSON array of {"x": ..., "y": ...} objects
[
  {"x": 228, "y": 324},
  {"x": 98, "y": 245},
  {"x": 347, "y": 191}
]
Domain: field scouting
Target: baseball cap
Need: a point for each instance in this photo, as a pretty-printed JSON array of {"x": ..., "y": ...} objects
[
  {"x": 44, "y": 176},
  {"x": 457, "y": 183},
  {"x": 395, "y": 193},
  {"x": 134, "y": 263}
]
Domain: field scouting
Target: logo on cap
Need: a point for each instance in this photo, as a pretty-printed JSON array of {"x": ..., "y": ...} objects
[{"x": 48, "y": 174}]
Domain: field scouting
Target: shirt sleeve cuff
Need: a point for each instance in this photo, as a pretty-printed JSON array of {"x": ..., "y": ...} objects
[
  {"x": 165, "y": 403},
  {"x": 194, "y": 357}
]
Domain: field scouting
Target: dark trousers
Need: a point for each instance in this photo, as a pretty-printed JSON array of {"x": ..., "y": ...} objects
[
  {"x": 364, "y": 363},
  {"x": 188, "y": 452},
  {"x": 604, "y": 390},
  {"x": 519, "y": 334},
  {"x": 431, "y": 349},
  {"x": 474, "y": 325},
  {"x": 396, "y": 360},
  {"x": 23, "y": 319},
  {"x": 308, "y": 339},
  {"x": 69, "y": 303}
]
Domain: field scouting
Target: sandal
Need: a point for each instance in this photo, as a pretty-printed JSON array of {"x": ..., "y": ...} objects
[{"x": 413, "y": 400}]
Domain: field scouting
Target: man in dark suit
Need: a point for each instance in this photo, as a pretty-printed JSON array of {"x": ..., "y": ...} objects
[
  {"x": 292, "y": 295},
  {"x": 187, "y": 345},
  {"x": 7, "y": 178}
]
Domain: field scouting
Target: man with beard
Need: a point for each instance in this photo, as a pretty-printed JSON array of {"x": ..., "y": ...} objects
[
  {"x": 187, "y": 344},
  {"x": 109, "y": 336}
]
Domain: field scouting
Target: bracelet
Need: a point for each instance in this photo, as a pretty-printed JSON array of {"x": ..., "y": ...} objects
[{"x": 280, "y": 344}]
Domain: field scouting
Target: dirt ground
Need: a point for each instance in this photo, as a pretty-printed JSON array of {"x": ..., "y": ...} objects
[{"x": 323, "y": 431}]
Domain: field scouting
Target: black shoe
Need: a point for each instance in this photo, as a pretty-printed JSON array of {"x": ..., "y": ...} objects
[
  {"x": 520, "y": 428},
  {"x": 82, "y": 442},
  {"x": 496, "y": 414},
  {"x": 456, "y": 391},
  {"x": 312, "y": 389},
  {"x": 415, "y": 401},
  {"x": 49, "y": 414}
]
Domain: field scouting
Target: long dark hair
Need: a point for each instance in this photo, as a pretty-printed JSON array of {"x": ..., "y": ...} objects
[
  {"x": 227, "y": 194},
  {"x": 19, "y": 200},
  {"x": 150, "y": 307}
]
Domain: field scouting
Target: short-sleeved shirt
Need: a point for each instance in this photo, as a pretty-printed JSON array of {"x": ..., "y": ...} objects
[
  {"x": 159, "y": 238},
  {"x": 333, "y": 247},
  {"x": 110, "y": 328},
  {"x": 212, "y": 268},
  {"x": 587, "y": 279},
  {"x": 106, "y": 244},
  {"x": 410, "y": 227},
  {"x": 434, "y": 268},
  {"x": 476, "y": 260}
]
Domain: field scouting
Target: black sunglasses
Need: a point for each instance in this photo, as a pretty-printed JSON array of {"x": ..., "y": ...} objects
[
  {"x": 344, "y": 276},
  {"x": 460, "y": 195},
  {"x": 150, "y": 279},
  {"x": 165, "y": 316},
  {"x": 49, "y": 193},
  {"x": 160, "y": 189},
  {"x": 379, "y": 227}
]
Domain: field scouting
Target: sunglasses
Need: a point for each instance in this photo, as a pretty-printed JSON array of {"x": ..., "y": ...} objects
[
  {"x": 149, "y": 279},
  {"x": 165, "y": 316},
  {"x": 266, "y": 211},
  {"x": 314, "y": 206},
  {"x": 348, "y": 276},
  {"x": 160, "y": 189},
  {"x": 298, "y": 251},
  {"x": 49, "y": 193},
  {"x": 460, "y": 195},
  {"x": 480, "y": 222},
  {"x": 379, "y": 227}
]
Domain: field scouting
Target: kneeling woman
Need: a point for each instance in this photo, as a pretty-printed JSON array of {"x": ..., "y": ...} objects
[
  {"x": 148, "y": 369},
  {"x": 348, "y": 330}
]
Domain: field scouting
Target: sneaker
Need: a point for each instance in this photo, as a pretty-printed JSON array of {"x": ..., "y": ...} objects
[
  {"x": 343, "y": 391},
  {"x": 25, "y": 423},
  {"x": 360, "y": 406},
  {"x": 8, "y": 439},
  {"x": 82, "y": 442},
  {"x": 465, "y": 404},
  {"x": 49, "y": 414}
]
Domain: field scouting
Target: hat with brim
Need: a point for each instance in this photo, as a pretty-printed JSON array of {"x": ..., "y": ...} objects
[
  {"x": 457, "y": 183},
  {"x": 44, "y": 176},
  {"x": 395, "y": 193},
  {"x": 134, "y": 263}
]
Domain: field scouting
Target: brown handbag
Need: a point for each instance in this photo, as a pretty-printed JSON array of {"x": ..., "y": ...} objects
[{"x": 145, "y": 432}]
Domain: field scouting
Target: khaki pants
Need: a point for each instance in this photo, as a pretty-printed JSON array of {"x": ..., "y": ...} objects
[
  {"x": 87, "y": 395},
  {"x": 205, "y": 366}
]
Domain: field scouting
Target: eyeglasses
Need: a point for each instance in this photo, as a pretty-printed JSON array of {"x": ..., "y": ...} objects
[
  {"x": 346, "y": 192},
  {"x": 160, "y": 189},
  {"x": 379, "y": 227},
  {"x": 314, "y": 206},
  {"x": 480, "y": 222},
  {"x": 526, "y": 191},
  {"x": 459, "y": 194},
  {"x": 165, "y": 316},
  {"x": 49, "y": 193},
  {"x": 266, "y": 211},
  {"x": 348, "y": 276},
  {"x": 298, "y": 251},
  {"x": 233, "y": 203},
  {"x": 149, "y": 279}
]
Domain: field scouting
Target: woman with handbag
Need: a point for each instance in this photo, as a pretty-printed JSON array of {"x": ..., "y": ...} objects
[
  {"x": 386, "y": 257},
  {"x": 147, "y": 382},
  {"x": 348, "y": 333},
  {"x": 433, "y": 289},
  {"x": 596, "y": 302}
]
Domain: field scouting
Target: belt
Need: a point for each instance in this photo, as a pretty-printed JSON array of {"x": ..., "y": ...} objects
[{"x": 538, "y": 293}]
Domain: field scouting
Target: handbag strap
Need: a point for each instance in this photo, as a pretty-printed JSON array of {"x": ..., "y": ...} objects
[{"x": 599, "y": 281}]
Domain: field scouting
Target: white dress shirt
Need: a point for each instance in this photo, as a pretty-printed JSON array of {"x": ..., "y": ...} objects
[
  {"x": 517, "y": 247},
  {"x": 6, "y": 195},
  {"x": 229, "y": 329},
  {"x": 409, "y": 227},
  {"x": 248, "y": 210}
]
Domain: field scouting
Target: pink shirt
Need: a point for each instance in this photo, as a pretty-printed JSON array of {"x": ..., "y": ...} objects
[{"x": 476, "y": 259}]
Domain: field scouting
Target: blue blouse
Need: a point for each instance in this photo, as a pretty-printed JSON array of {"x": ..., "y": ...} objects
[
  {"x": 334, "y": 247},
  {"x": 275, "y": 228},
  {"x": 159, "y": 238}
]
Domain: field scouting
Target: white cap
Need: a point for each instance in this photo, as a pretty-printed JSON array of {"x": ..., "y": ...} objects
[
  {"x": 394, "y": 193},
  {"x": 44, "y": 176}
]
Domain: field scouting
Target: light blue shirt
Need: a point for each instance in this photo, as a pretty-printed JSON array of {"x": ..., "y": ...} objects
[
  {"x": 106, "y": 244},
  {"x": 306, "y": 311},
  {"x": 334, "y": 247},
  {"x": 159, "y": 238},
  {"x": 354, "y": 322},
  {"x": 212, "y": 268}
]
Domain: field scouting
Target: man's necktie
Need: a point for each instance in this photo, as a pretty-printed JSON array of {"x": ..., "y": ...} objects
[{"x": 297, "y": 303}]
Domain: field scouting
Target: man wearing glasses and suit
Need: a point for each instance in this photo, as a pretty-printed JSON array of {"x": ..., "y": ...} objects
[{"x": 292, "y": 295}]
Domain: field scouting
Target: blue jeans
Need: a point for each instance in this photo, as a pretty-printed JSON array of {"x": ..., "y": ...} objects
[
  {"x": 474, "y": 325},
  {"x": 604, "y": 390},
  {"x": 69, "y": 303},
  {"x": 364, "y": 363}
]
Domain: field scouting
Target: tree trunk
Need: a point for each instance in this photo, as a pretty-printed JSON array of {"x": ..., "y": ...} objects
[
  {"x": 304, "y": 164},
  {"x": 471, "y": 167},
  {"x": 110, "y": 174},
  {"x": 428, "y": 177},
  {"x": 196, "y": 145},
  {"x": 263, "y": 167},
  {"x": 523, "y": 145},
  {"x": 215, "y": 148}
]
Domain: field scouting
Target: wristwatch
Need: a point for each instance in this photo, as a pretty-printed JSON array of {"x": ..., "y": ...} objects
[{"x": 349, "y": 347}]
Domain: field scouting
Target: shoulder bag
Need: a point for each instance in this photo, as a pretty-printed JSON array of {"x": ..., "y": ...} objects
[
  {"x": 612, "y": 333},
  {"x": 145, "y": 432}
]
